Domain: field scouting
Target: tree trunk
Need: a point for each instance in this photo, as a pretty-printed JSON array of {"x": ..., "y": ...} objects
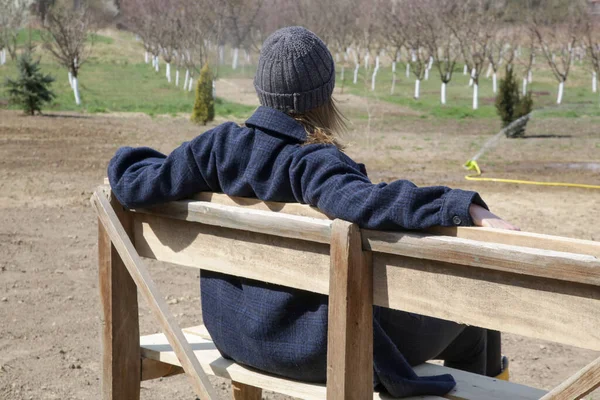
[
  {"x": 187, "y": 79},
  {"x": 221, "y": 55},
  {"x": 156, "y": 63},
  {"x": 530, "y": 76},
  {"x": 146, "y": 57},
  {"x": 393, "y": 83},
  {"x": 191, "y": 84},
  {"x": 168, "y": 72},
  {"x": 594, "y": 82},
  {"x": 495, "y": 82},
  {"x": 561, "y": 88},
  {"x": 407, "y": 70},
  {"x": 417, "y": 88},
  {"x": 444, "y": 93},
  {"x": 234, "y": 63},
  {"x": 76, "y": 91},
  {"x": 394, "y": 67},
  {"x": 177, "y": 77},
  {"x": 524, "y": 86},
  {"x": 471, "y": 80},
  {"x": 475, "y": 96},
  {"x": 489, "y": 71},
  {"x": 465, "y": 69},
  {"x": 71, "y": 79},
  {"x": 426, "y": 74},
  {"x": 356, "y": 74}
]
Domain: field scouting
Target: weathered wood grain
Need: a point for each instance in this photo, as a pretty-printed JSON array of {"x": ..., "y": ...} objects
[
  {"x": 579, "y": 385},
  {"x": 350, "y": 329},
  {"x": 241, "y": 391},
  {"x": 120, "y": 378}
]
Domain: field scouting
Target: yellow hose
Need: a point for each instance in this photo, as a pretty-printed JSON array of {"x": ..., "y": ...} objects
[{"x": 471, "y": 165}]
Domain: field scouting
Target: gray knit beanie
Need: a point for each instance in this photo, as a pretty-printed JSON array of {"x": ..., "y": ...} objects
[{"x": 295, "y": 71}]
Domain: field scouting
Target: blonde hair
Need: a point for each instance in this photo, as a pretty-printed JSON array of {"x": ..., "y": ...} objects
[{"x": 323, "y": 124}]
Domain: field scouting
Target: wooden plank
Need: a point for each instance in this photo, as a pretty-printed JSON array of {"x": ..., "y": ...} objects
[
  {"x": 120, "y": 378},
  {"x": 152, "y": 369},
  {"x": 285, "y": 225},
  {"x": 469, "y": 386},
  {"x": 563, "y": 312},
  {"x": 241, "y": 391},
  {"x": 251, "y": 203},
  {"x": 524, "y": 239},
  {"x": 350, "y": 320},
  {"x": 519, "y": 260},
  {"x": 158, "y": 306},
  {"x": 277, "y": 260},
  {"x": 579, "y": 385}
]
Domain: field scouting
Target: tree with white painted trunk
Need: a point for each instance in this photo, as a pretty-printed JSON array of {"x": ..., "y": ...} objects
[
  {"x": 69, "y": 37},
  {"x": 441, "y": 41},
  {"x": 417, "y": 17},
  {"x": 556, "y": 40},
  {"x": 526, "y": 62},
  {"x": 499, "y": 46},
  {"x": 591, "y": 37},
  {"x": 239, "y": 18},
  {"x": 342, "y": 31},
  {"x": 13, "y": 16},
  {"x": 471, "y": 28},
  {"x": 393, "y": 33}
]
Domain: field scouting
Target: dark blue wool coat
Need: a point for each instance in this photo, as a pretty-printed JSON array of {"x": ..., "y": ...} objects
[{"x": 280, "y": 330}]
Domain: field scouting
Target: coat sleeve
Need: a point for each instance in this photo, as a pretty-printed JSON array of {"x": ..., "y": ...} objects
[
  {"x": 141, "y": 177},
  {"x": 342, "y": 191}
]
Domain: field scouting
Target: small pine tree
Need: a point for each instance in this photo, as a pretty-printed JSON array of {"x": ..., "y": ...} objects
[
  {"x": 204, "y": 106},
  {"x": 32, "y": 88},
  {"x": 511, "y": 105}
]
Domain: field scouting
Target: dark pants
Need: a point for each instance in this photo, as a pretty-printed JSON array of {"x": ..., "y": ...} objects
[{"x": 421, "y": 338}]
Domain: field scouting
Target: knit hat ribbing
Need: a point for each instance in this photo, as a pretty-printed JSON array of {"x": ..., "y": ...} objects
[{"x": 295, "y": 71}]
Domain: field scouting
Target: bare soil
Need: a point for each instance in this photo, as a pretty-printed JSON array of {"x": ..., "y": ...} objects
[{"x": 49, "y": 307}]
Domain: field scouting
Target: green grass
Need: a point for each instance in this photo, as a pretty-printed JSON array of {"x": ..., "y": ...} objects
[
  {"x": 125, "y": 87},
  {"x": 578, "y": 98},
  {"x": 115, "y": 79},
  {"x": 36, "y": 37}
]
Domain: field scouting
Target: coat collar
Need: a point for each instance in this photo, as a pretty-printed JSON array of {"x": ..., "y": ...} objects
[{"x": 277, "y": 121}]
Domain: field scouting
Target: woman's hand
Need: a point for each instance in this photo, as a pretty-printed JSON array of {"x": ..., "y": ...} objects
[{"x": 483, "y": 217}]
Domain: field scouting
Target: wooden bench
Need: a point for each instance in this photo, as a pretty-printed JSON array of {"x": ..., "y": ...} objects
[{"x": 468, "y": 275}]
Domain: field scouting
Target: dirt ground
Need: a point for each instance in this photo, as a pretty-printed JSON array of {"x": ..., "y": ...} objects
[{"x": 49, "y": 306}]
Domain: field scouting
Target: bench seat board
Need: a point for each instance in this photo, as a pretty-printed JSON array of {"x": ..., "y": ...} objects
[{"x": 469, "y": 386}]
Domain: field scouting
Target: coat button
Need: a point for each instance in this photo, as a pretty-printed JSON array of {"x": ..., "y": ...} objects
[{"x": 456, "y": 220}]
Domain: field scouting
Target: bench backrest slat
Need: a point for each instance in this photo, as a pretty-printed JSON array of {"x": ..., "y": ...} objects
[
  {"x": 565, "y": 312},
  {"x": 289, "y": 262}
]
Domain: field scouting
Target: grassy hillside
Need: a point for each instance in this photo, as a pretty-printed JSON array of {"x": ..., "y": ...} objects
[{"x": 116, "y": 79}]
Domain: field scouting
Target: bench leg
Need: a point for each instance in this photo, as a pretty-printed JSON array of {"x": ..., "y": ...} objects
[
  {"x": 121, "y": 359},
  {"x": 241, "y": 391}
]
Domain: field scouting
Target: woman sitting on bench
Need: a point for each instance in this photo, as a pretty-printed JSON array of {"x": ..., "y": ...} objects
[{"x": 288, "y": 151}]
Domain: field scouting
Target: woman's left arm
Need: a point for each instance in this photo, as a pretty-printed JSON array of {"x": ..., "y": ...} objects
[{"x": 140, "y": 177}]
